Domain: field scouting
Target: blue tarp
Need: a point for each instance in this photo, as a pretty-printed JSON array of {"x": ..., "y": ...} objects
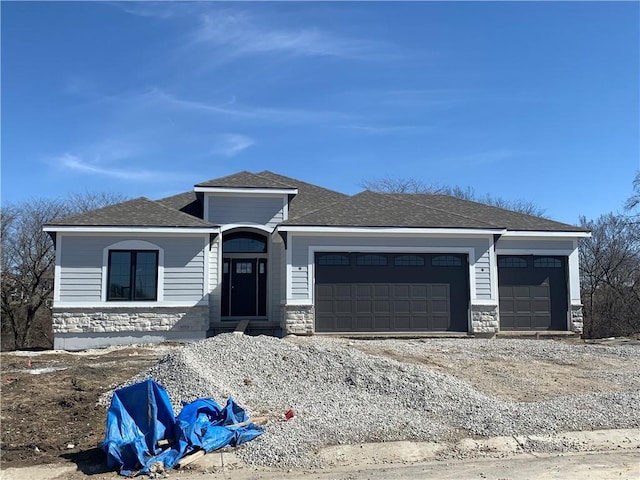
[{"x": 140, "y": 415}]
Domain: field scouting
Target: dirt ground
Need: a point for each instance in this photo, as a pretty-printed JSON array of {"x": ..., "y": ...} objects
[
  {"x": 49, "y": 414},
  {"x": 52, "y": 416}
]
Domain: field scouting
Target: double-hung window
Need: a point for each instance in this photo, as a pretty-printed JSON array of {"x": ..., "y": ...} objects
[{"x": 133, "y": 275}]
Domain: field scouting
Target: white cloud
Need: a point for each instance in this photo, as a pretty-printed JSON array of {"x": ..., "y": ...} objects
[
  {"x": 238, "y": 34},
  {"x": 233, "y": 108},
  {"x": 161, "y": 10},
  {"x": 387, "y": 129},
  {"x": 231, "y": 144},
  {"x": 487, "y": 156},
  {"x": 75, "y": 163}
]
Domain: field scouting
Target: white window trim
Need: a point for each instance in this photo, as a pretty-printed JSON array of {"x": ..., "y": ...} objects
[
  {"x": 132, "y": 245},
  {"x": 111, "y": 304}
]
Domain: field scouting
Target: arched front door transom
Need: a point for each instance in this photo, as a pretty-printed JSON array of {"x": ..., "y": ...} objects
[{"x": 244, "y": 275}]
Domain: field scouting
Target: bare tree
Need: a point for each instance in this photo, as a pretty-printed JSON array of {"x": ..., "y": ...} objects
[
  {"x": 390, "y": 184},
  {"x": 610, "y": 276},
  {"x": 27, "y": 262},
  {"x": 633, "y": 202}
]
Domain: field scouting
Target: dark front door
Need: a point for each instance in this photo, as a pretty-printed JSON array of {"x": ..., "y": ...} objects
[{"x": 244, "y": 287}]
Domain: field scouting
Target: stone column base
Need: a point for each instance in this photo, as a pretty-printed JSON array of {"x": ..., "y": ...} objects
[
  {"x": 484, "y": 319},
  {"x": 577, "y": 319},
  {"x": 298, "y": 319}
]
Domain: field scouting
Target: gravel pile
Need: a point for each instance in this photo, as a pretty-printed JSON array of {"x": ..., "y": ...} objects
[{"x": 342, "y": 395}]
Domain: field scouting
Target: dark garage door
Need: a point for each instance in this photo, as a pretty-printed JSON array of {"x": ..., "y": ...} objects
[
  {"x": 533, "y": 292},
  {"x": 370, "y": 292}
]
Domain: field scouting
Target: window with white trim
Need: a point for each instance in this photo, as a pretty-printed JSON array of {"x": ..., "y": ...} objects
[{"x": 132, "y": 275}]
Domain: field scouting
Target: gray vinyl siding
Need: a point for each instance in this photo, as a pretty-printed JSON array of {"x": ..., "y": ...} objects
[
  {"x": 534, "y": 244},
  {"x": 183, "y": 269},
  {"x": 300, "y": 280},
  {"x": 483, "y": 274},
  {"x": 259, "y": 210},
  {"x": 81, "y": 260}
]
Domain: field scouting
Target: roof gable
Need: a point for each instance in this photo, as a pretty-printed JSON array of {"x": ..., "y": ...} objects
[{"x": 244, "y": 179}]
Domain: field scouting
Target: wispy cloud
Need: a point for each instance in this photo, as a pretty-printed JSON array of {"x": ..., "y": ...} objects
[
  {"x": 161, "y": 10},
  {"x": 237, "y": 34},
  {"x": 232, "y": 107},
  {"x": 231, "y": 144},
  {"x": 387, "y": 129},
  {"x": 487, "y": 156},
  {"x": 76, "y": 163}
]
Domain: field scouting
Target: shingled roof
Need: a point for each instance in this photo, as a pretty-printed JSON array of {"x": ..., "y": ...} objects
[
  {"x": 245, "y": 179},
  {"x": 309, "y": 198},
  {"x": 487, "y": 213},
  {"x": 139, "y": 212},
  {"x": 370, "y": 209},
  {"x": 318, "y": 206},
  {"x": 187, "y": 202}
]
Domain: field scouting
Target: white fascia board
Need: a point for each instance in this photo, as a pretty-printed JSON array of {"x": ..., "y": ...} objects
[
  {"x": 542, "y": 234},
  {"x": 90, "y": 229},
  {"x": 262, "y": 191},
  {"x": 463, "y": 232}
]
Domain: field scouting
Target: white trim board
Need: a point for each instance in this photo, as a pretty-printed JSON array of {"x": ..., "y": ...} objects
[
  {"x": 544, "y": 235},
  {"x": 248, "y": 190},
  {"x": 449, "y": 232},
  {"x": 143, "y": 230}
]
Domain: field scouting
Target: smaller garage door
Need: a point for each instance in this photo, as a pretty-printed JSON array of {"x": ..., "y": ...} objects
[{"x": 533, "y": 292}]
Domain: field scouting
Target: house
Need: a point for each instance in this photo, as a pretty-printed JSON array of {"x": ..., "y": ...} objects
[{"x": 296, "y": 258}]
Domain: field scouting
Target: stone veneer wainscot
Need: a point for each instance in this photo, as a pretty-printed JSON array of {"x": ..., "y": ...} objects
[{"x": 116, "y": 320}]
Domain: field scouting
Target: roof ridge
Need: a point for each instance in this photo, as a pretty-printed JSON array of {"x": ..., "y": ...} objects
[
  {"x": 260, "y": 174},
  {"x": 299, "y": 181},
  {"x": 448, "y": 212}
]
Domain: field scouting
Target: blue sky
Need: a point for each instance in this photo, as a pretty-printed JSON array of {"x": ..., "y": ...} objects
[{"x": 537, "y": 101}]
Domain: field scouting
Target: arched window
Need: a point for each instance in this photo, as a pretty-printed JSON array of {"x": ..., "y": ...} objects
[{"x": 244, "y": 242}]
